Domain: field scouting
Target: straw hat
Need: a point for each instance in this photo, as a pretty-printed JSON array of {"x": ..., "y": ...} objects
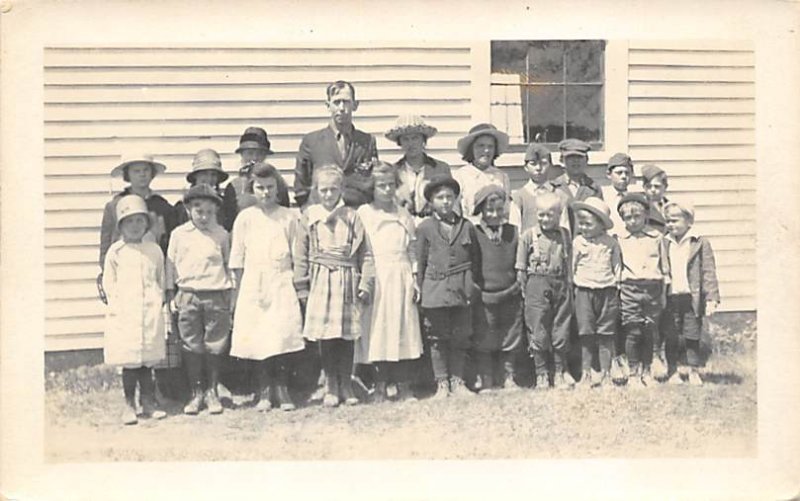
[
  {"x": 207, "y": 159},
  {"x": 410, "y": 124},
  {"x": 128, "y": 159},
  {"x": 130, "y": 205},
  {"x": 465, "y": 143},
  {"x": 597, "y": 207}
]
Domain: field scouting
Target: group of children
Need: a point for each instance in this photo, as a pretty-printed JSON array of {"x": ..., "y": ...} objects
[{"x": 371, "y": 287}]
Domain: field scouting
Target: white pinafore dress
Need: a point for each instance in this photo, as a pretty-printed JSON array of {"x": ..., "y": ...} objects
[
  {"x": 391, "y": 332},
  {"x": 267, "y": 320}
]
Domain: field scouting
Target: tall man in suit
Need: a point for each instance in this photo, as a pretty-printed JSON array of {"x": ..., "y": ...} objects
[{"x": 340, "y": 143}]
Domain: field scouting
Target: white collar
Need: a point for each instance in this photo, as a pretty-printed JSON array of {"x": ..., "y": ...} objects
[
  {"x": 690, "y": 234},
  {"x": 317, "y": 212}
]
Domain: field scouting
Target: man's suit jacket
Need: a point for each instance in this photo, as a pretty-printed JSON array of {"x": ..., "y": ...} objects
[{"x": 320, "y": 148}]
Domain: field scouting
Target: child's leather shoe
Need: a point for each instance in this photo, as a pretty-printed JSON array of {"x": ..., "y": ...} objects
[{"x": 213, "y": 403}]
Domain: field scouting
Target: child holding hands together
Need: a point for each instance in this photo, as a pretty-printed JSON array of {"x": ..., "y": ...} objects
[{"x": 333, "y": 273}]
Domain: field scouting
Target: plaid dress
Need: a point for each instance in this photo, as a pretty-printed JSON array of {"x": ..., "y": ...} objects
[{"x": 332, "y": 263}]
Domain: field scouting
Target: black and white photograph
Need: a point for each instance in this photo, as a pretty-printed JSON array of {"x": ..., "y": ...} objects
[{"x": 537, "y": 245}]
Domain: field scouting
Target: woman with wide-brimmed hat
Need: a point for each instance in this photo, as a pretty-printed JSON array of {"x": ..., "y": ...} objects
[
  {"x": 416, "y": 167},
  {"x": 480, "y": 148}
]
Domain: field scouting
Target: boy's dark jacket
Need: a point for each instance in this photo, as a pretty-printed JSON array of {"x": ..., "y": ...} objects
[
  {"x": 448, "y": 268},
  {"x": 701, "y": 273}
]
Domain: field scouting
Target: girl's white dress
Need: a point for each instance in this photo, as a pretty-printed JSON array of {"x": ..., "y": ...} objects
[
  {"x": 392, "y": 330},
  {"x": 267, "y": 319},
  {"x": 133, "y": 279}
]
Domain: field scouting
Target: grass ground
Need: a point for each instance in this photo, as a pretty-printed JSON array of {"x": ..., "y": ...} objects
[{"x": 718, "y": 419}]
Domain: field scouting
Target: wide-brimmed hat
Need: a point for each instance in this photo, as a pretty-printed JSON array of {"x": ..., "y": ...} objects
[
  {"x": 482, "y": 194},
  {"x": 254, "y": 138},
  {"x": 639, "y": 198},
  {"x": 650, "y": 171},
  {"x": 620, "y": 160},
  {"x": 201, "y": 191},
  {"x": 597, "y": 207},
  {"x": 438, "y": 182},
  {"x": 571, "y": 146},
  {"x": 465, "y": 143},
  {"x": 207, "y": 159},
  {"x": 410, "y": 124},
  {"x": 128, "y": 159},
  {"x": 130, "y": 205}
]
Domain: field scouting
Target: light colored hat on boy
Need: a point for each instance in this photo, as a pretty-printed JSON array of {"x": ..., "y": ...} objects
[
  {"x": 465, "y": 143},
  {"x": 130, "y": 205},
  {"x": 200, "y": 191},
  {"x": 620, "y": 160},
  {"x": 650, "y": 171},
  {"x": 571, "y": 146},
  {"x": 685, "y": 207},
  {"x": 482, "y": 194},
  {"x": 128, "y": 159},
  {"x": 597, "y": 207},
  {"x": 536, "y": 152},
  {"x": 410, "y": 124},
  {"x": 207, "y": 159}
]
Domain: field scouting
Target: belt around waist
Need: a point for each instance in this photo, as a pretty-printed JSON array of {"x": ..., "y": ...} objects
[
  {"x": 547, "y": 275},
  {"x": 438, "y": 275},
  {"x": 332, "y": 261}
]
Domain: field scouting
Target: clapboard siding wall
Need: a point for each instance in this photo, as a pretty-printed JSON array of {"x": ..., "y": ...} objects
[
  {"x": 175, "y": 101},
  {"x": 691, "y": 110}
]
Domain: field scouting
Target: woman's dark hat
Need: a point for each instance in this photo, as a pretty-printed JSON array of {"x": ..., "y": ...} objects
[{"x": 254, "y": 138}]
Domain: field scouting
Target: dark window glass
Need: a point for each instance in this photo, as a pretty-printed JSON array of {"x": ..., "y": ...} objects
[{"x": 546, "y": 90}]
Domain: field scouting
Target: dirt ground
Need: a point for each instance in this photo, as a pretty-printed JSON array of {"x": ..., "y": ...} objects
[{"x": 715, "y": 420}]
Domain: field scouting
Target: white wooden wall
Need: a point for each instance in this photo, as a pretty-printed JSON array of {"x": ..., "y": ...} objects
[
  {"x": 691, "y": 109},
  {"x": 173, "y": 102}
]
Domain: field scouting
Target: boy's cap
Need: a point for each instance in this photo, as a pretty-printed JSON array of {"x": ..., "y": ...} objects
[
  {"x": 597, "y": 207},
  {"x": 130, "y": 205},
  {"x": 439, "y": 182},
  {"x": 572, "y": 146},
  {"x": 536, "y": 152},
  {"x": 482, "y": 194},
  {"x": 620, "y": 160},
  {"x": 201, "y": 191},
  {"x": 651, "y": 171},
  {"x": 254, "y": 138},
  {"x": 128, "y": 159},
  {"x": 207, "y": 159},
  {"x": 634, "y": 197}
]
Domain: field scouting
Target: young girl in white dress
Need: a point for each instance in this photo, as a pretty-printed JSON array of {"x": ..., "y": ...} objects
[
  {"x": 267, "y": 323},
  {"x": 133, "y": 280},
  {"x": 393, "y": 340}
]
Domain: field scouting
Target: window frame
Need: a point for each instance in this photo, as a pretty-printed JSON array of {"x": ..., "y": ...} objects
[{"x": 615, "y": 101}]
